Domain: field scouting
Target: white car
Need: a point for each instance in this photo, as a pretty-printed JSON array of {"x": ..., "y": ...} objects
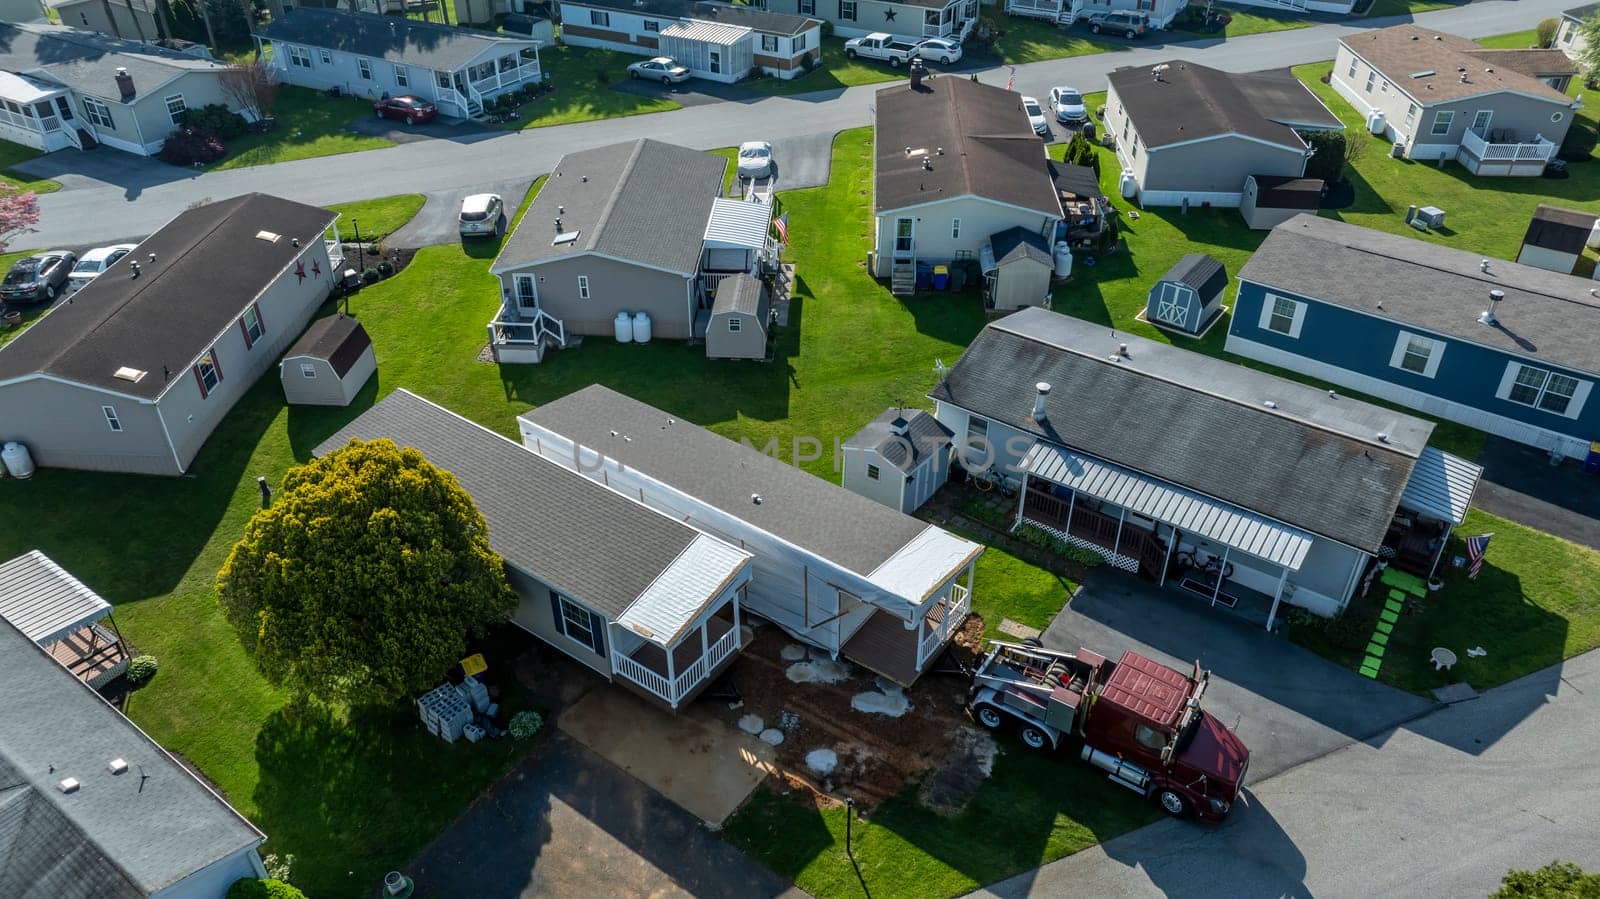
[
  {"x": 483, "y": 215},
  {"x": 942, "y": 50},
  {"x": 95, "y": 261},
  {"x": 755, "y": 160},
  {"x": 1041, "y": 126},
  {"x": 664, "y": 69},
  {"x": 1068, "y": 106}
]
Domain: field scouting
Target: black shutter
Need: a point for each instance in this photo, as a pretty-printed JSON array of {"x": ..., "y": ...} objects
[
  {"x": 555, "y": 609},
  {"x": 597, "y": 626}
]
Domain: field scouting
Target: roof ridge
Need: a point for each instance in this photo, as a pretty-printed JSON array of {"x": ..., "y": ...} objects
[
  {"x": 102, "y": 43},
  {"x": 621, "y": 182}
]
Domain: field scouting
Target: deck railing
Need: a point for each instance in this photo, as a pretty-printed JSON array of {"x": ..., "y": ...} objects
[
  {"x": 1538, "y": 150},
  {"x": 960, "y": 605},
  {"x": 635, "y": 671},
  {"x": 714, "y": 655}
]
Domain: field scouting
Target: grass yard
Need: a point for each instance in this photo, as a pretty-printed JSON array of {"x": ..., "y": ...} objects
[
  {"x": 583, "y": 77},
  {"x": 1384, "y": 8},
  {"x": 1241, "y": 21},
  {"x": 310, "y": 124},
  {"x": 377, "y": 218},
  {"x": 1517, "y": 40},
  {"x": 1015, "y": 589},
  {"x": 13, "y": 181}
]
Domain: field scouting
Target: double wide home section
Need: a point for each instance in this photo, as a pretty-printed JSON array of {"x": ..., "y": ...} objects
[
  {"x": 716, "y": 41},
  {"x": 1151, "y": 455},
  {"x": 646, "y": 601},
  {"x": 1495, "y": 345},
  {"x": 913, "y": 19},
  {"x": 833, "y": 569}
]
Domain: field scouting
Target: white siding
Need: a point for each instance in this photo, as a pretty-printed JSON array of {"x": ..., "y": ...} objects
[{"x": 979, "y": 219}]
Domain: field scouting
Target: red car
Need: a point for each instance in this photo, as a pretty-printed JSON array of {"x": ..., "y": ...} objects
[{"x": 413, "y": 110}]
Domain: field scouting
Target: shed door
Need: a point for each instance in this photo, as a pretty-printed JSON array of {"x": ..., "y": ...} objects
[{"x": 1173, "y": 305}]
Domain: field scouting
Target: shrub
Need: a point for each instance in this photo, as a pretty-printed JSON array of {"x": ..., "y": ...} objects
[
  {"x": 1328, "y": 154},
  {"x": 370, "y": 276},
  {"x": 602, "y": 77},
  {"x": 1080, "y": 151},
  {"x": 386, "y": 268},
  {"x": 808, "y": 61},
  {"x": 1546, "y": 30},
  {"x": 141, "y": 669},
  {"x": 1557, "y": 880},
  {"x": 525, "y": 724},
  {"x": 190, "y": 145},
  {"x": 1348, "y": 631},
  {"x": 278, "y": 866},
  {"x": 1043, "y": 539},
  {"x": 827, "y": 28},
  {"x": 250, "y": 888},
  {"x": 218, "y": 119}
]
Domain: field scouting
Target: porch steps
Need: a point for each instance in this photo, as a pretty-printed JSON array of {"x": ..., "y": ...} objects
[
  {"x": 903, "y": 279},
  {"x": 86, "y": 140}
]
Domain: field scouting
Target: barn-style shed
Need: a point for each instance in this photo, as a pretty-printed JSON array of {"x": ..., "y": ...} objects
[{"x": 1188, "y": 298}]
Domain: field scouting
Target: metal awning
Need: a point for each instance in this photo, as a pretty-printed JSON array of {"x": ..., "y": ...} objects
[
  {"x": 44, "y": 602},
  {"x": 701, "y": 573},
  {"x": 22, "y": 89},
  {"x": 738, "y": 225},
  {"x": 1185, "y": 510},
  {"x": 1441, "y": 485},
  {"x": 705, "y": 32}
]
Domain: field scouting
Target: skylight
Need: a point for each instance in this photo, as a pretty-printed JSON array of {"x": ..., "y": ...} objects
[
  {"x": 126, "y": 373},
  {"x": 565, "y": 237},
  {"x": 268, "y": 236}
]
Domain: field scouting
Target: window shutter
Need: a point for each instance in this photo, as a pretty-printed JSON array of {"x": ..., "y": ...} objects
[
  {"x": 1266, "y": 311},
  {"x": 597, "y": 626},
  {"x": 1507, "y": 379},
  {"x": 1579, "y": 397},
  {"x": 1399, "y": 354},
  {"x": 198, "y": 379},
  {"x": 216, "y": 363},
  {"x": 555, "y": 609}
]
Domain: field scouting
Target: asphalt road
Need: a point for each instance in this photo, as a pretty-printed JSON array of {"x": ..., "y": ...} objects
[
  {"x": 1444, "y": 808},
  {"x": 107, "y": 195}
]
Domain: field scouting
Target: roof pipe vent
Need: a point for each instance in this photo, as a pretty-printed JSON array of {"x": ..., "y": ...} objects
[
  {"x": 1483, "y": 265},
  {"x": 1495, "y": 296},
  {"x": 1383, "y": 437},
  {"x": 1270, "y": 404},
  {"x": 135, "y": 267},
  {"x": 1041, "y": 393},
  {"x": 927, "y": 164}
]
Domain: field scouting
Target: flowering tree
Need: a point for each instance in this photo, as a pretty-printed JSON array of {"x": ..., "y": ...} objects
[{"x": 19, "y": 212}]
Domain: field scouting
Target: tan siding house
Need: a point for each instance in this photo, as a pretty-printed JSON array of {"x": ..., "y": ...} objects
[{"x": 133, "y": 20}]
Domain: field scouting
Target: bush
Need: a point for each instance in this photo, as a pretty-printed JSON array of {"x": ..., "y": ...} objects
[
  {"x": 808, "y": 62},
  {"x": 190, "y": 145},
  {"x": 1328, "y": 153},
  {"x": 218, "y": 119},
  {"x": 1546, "y": 30},
  {"x": 602, "y": 77},
  {"x": 141, "y": 669},
  {"x": 250, "y": 888},
  {"x": 369, "y": 276},
  {"x": 525, "y": 724},
  {"x": 1348, "y": 631},
  {"x": 386, "y": 268},
  {"x": 1080, "y": 151},
  {"x": 278, "y": 867},
  {"x": 1043, "y": 539},
  {"x": 827, "y": 28},
  {"x": 1557, "y": 880}
]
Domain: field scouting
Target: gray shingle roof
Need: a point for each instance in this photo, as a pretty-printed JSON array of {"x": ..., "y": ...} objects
[
  {"x": 1581, "y": 14},
  {"x": 117, "y": 835},
  {"x": 739, "y": 293},
  {"x": 924, "y": 437},
  {"x": 811, "y": 513},
  {"x": 1284, "y": 192},
  {"x": 1546, "y": 315},
  {"x": 175, "y": 309},
  {"x": 87, "y": 61},
  {"x": 1562, "y": 230},
  {"x": 570, "y": 532},
  {"x": 1193, "y": 102},
  {"x": 1018, "y": 243},
  {"x": 643, "y": 201},
  {"x": 1204, "y": 273},
  {"x": 990, "y": 151},
  {"x": 391, "y": 38},
  {"x": 1313, "y": 462}
]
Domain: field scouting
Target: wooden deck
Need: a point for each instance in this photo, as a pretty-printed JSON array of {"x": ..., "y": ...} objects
[
  {"x": 685, "y": 653},
  {"x": 884, "y": 646},
  {"x": 92, "y": 653}
]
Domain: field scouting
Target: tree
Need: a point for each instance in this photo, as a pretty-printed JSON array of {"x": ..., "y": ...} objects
[
  {"x": 1589, "y": 34},
  {"x": 251, "y": 87},
  {"x": 1545, "y": 33},
  {"x": 364, "y": 578},
  {"x": 1329, "y": 149},
  {"x": 19, "y": 212},
  {"x": 1557, "y": 880},
  {"x": 1080, "y": 151}
]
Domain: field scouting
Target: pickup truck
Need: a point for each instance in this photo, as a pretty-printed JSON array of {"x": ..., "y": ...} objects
[
  {"x": 1137, "y": 719},
  {"x": 881, "y": 46}
]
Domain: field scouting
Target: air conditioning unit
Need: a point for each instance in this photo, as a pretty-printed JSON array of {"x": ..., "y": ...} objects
[
  {"x": 1432, "y": 216},
  {"x": 1398, "y": 151}
]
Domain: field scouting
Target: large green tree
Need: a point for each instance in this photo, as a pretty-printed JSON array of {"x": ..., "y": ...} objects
[
  {"x": 1589, "y": 57},
  {"x": 364, "y": 577},
  {"x": 1557, "y": 880}
]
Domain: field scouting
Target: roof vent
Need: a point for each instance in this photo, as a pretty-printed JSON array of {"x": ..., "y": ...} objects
[
  {"x": 117, "y": 766},
  {"x": 1270, "y": 404},
  {"x": 1489, "y": 70},
  {"x": 584, "y": 178},
  {"x": 755, "y": 498},
  {"x": 561, "y": 210},
  {"x": 1483, "y": 265},
  {"x": 1422, "y": 74},
  {"x": 1438, "y": 37},
  {"x": 939, "y": 151},
  {"x": 1333, "y": 394},
  {"x": 1495, "y": 296},
  {"x": 927, "y": 164},
  {"x": 1382, "y": 437},
  {"x": 1122, "y": 349},
  {"x": 135, "y": 267},
  {"x": 1463, "y": 77},
  {"x": 126, "y": 373},
  {"x": 564, "y": 237},
  {"x": 268, "y": 236},
  {"x": 152, "y": 259},
  {"x": 1041, "y": 393},
  {"x": 69, "y": 785}
]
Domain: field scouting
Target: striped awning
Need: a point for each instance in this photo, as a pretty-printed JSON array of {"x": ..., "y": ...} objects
[
  {"x": 1441, "y": 485},
  {"x": 39, "y": 598},
  {"x": 705, "y": 32},
  {"x": 738, "y": 224},
  {"x": 1190, "y": 512}
]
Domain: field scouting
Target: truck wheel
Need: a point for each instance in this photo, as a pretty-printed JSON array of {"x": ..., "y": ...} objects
[
  {"x": 1094, "y": 29},
  {"x": 1035, "y": 642},
  {"x": 1034, "y": 738},
  {"x": 894, "y": 62},
  {"x": 1129, "y": 34},
  {"x": 849, "y": 54},
  {"x": 989, "y": 716},
  {"x": 1172, "y": 803}
]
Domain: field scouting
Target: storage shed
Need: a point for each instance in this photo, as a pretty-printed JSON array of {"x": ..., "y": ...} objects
[
  {"x": 899, "y": 459},
  {"x": 1188, "y": 297},
  {"x": 739, "y": 318},
  {"x": 1271, "y": 199},
  {"x": 710, "y": 50},
  {"x": 329, "y": 364},
  {"x": 1556, "y": 238},
  {"x": 1016, "y": 269}
]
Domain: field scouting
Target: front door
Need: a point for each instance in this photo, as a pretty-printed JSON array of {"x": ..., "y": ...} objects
[
  {"x": 527, "y": 295},
  {"x": 904, "y": 237},
  {"x": 716, "y": 62}
]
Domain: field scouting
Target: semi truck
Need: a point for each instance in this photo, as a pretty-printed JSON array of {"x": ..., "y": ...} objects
[{"x": 1135, "y": 718}]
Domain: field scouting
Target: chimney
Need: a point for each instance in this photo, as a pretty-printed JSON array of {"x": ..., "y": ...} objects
[
  {"x": 1495, "y": 296},
  {"x": 1043, "y": 388},
  {"x": 125, "y": 84}
]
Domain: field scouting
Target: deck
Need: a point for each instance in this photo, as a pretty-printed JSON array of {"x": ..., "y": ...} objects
[
  {"x": 684, "y": 656},
  {"x": 92, "y": 653},
  {"x": 686, "y": 653},
  {"x": 884, "y": 646}
]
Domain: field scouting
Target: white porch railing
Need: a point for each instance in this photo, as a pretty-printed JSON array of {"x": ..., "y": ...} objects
[
  {"x": 1479, "y": 150},
  {"x": 1034, "y": 9},
  {"x": 714, "y": 655},
  {"x": 959, "y": 604},
  {"x": 644, "y": 677}
]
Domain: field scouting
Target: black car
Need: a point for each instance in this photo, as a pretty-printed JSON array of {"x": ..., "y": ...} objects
[{"x": 37, "y": 278}]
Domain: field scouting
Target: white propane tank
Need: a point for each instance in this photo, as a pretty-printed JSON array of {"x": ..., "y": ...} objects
[
  {"x": 1063, "y": 258},
  {"x": 641, "y": 327},
  {"x": 623, "y": 324},
  {"x": 1128, "y": 185},
  {"x": 1375, "y": 122},
  {"x": 18, "y": 462},
  {"x": 1594, "y": 234}
]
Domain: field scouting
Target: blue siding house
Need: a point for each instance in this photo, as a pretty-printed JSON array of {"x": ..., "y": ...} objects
[{"x": 1506, "y": 348}]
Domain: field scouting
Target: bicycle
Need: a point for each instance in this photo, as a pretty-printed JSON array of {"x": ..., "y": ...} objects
[{"x": 1209, "y": 566}]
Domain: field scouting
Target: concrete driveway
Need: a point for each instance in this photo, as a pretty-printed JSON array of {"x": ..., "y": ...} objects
[
  {"x": 1519, "y": 483},
  {"x": 1287, "y": 704}
]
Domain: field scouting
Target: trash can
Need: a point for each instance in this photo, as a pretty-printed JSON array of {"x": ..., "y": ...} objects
[
  {"x": 924, "y": 275},
  {"x": 1591, "y": 463},
  {"x": 941, "y": 277}
]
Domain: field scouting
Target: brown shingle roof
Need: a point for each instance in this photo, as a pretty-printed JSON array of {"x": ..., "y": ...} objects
[
  {"x": 1429, "y": 64},
  {"x": 1562, "y": 230}
]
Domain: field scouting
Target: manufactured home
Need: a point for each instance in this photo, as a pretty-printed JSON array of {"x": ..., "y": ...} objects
[{"x": 716, "y": 41}]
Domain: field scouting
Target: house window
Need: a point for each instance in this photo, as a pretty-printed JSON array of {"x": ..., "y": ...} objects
[
  {"x": 1566, "y": 33},
  {"x": 112, "y": 421},
  {"x": 904, "y": 236},
  {"x": 769, "y": 43},
  {"x": 364, "y": 66},
  {"x": 583, "y": 287},
  {"x": 808, "y": 7},
  {"x": 1133, "y": 148},
  {"x": 578, "y": 623},
  {"x": 97, "y": 113},
  {"x": 1547, "y": 390},
  {"x": 872, "y": 472},
  {"x": 652, "y": 25},
  {"x": 847, "y": 10},
  {"x": 176, "y": 110},
  {"x": 85, "y": 18},
  {"x": 308, "y": 370},
  {"x": 1282, "y": 315},
  {"x": 1383, "y": 88},
  {"x": 1372, "y": 77},
  {"x": 955, "y": 229},
  {"x": 208, "y": 373},
  {"x": 977, "y": 443},
  {"x": 526, "y": 295},
  {"x": 300, "y": 56},
  {"x": 735, "y": 325},
  {"x": 797, "y": 43},
  {"x": 401, "y": 79},
  {"x": 1411, "y": 113},
  {"x": 1442, "y": 120},
  {"x": 250, "y": 324},
  {"x": 597, "y": 17},
  {"x": 1416, "y": 354},
  {"x": 1351, "y": 72},
  {"x": 715, "y": 63},
  {"x": 1481, "y": 120},
  {"x": 442, "y": 79}
]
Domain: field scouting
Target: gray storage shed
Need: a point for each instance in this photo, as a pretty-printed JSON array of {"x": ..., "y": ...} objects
[
  {"x": 329, "y": 364},
  {"x": 740, "y": 315},
  {"x": 1269, "y": 200},
  {"x": 1188, "y": 297},
  {"x": 1016, "y": 269},
  {"x": 899, "y": 459}
]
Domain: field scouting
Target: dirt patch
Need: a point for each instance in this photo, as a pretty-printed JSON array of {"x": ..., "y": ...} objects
[
  {"x": 964, "y": 770},
  {"x": 876, "y": 759}
]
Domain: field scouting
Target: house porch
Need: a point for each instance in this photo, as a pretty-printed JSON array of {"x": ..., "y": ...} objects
[
  {"x": 94, "y": 653},
  {"x": 1503, "y": 152},
  {"x": 36, "y": 114},
  {"x": 886, "y": 645},
  {"x": 674, "y": 674}
]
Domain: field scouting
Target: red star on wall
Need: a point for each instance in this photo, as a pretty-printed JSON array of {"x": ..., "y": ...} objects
[
  {"x": 316, "y": 268},
  {"x": 300, "y": 271}
]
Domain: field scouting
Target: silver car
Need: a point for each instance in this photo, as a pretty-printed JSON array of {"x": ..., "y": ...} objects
[
  {"x": 483, "y": 215},
  {"x": 663, "y": 69}
]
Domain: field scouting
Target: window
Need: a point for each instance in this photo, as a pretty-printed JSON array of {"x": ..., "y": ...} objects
[
  {"x": 250, "y": 324},
  {"x": 299, "y": 56},
  {"x": 904, "y": 236},
  {"x": 735, "y": 325},
  {"x": 1481, "y": 120},
  {"x": 401, "y": 78},
  {"x": 1566, "y": 33},
  {"x": 1557, "y": 116},
  {"x": 176, "y": 110},
  {"x": 97, "y": 113},
  {"x": 442, "y": 79},
  {"x": 364, "y": 66},
  {"x": 716, "y": 62},
  {"x": 797, "y": 43},
  {"x": 955, "y": 229},
  {"x": 1133, "y": 148},
  {"x": 1416, "y": 354},
  {"x": 208, "y": 373},
  {"x": 1442, "y": 120},
  {"x": 872, "y": 470},
  {"x": 1149, "y": 737},
  {"x": 85, "y": 19},
  {"x": 808, "y": 7},
  {"x": 1372, "y": 76},
  {"x": 526, "y": 294},
  {"x": 847, "y": 10},
  {"x": 578, "y": 623},
  {"x": 1383, "y": 88},
  {"x": 583, "y": 287},
  {"x": 308, "y": 370},
  {"x": 769, "y": 43},
  {"x": 1547, "y": 390},
  {"x": 1411, "y": 113},
  {"x": 112, "y": 420},
  {"x": 597, "y": 17},
  {"x": 1282, "y": 315},
  {"x": 1351, "y": 72},
  {"x": 652, "y": 25},
  {"x": 977, "y": 442}
]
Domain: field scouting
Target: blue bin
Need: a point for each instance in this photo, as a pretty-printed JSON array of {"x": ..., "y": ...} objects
[
  {"x": 941, "y": 277},
  {"x": 924, "y": 275},
  {"x": 1591, "y": 463}
]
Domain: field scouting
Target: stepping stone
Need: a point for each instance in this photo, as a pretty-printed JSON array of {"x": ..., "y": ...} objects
[
  {"x": 1395, "y": 595},
  {"x": 1375, "y": 650},
  {"x": 1381, "y": 639},
  {"x": 1389, "y": 616},
  {"x": 1017, "y": 629},
  {"x": 772, "y": 736},
  {"x": 752, "y": 724},
  {"x": 792, "y": 652},
  {"x": 1385, "y": 628},
  {"x": 1370, "y": 670}
]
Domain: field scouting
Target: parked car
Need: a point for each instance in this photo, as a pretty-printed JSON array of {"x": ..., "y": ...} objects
[
  {"x": 1068, "y": 106},
  {"x": 1041, "y": 125},
  {"x": 95, "y": 261},
  {"x": 755, "y": 159},
  {"x": 879, "y": 45},
  {"x": 943, "y": 50},
  {"x": 406, "y": 108},
  {"x": 38, "y": 278},
  {"x": 1128, "y": 24},
  {"x": 664, "y": 69},
  {"x": 483, "y": 215}
]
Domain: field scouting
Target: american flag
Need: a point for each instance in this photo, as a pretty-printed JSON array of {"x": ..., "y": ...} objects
[
  {"x": 1011, "y": 82},
  {"x": 781, "y": 223},
  {"x": 1476, "y": 547}
]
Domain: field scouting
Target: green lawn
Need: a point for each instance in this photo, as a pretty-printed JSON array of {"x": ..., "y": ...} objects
[
  {"x": 1015, "y": 589},
  {"x": 377, "y": 218},
  {"x": 12, "y": 180},
  {"x": 1517, "y": 40},
  {"x": 310, "y": 124},
  {"x": 583, "y": 77},
  {"x": 1382, "y": 8},
  {"x": 1241, "y": 21}
]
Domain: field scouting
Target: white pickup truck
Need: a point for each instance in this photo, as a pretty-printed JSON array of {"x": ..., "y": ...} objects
[{"x": 881, "y": 46}]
